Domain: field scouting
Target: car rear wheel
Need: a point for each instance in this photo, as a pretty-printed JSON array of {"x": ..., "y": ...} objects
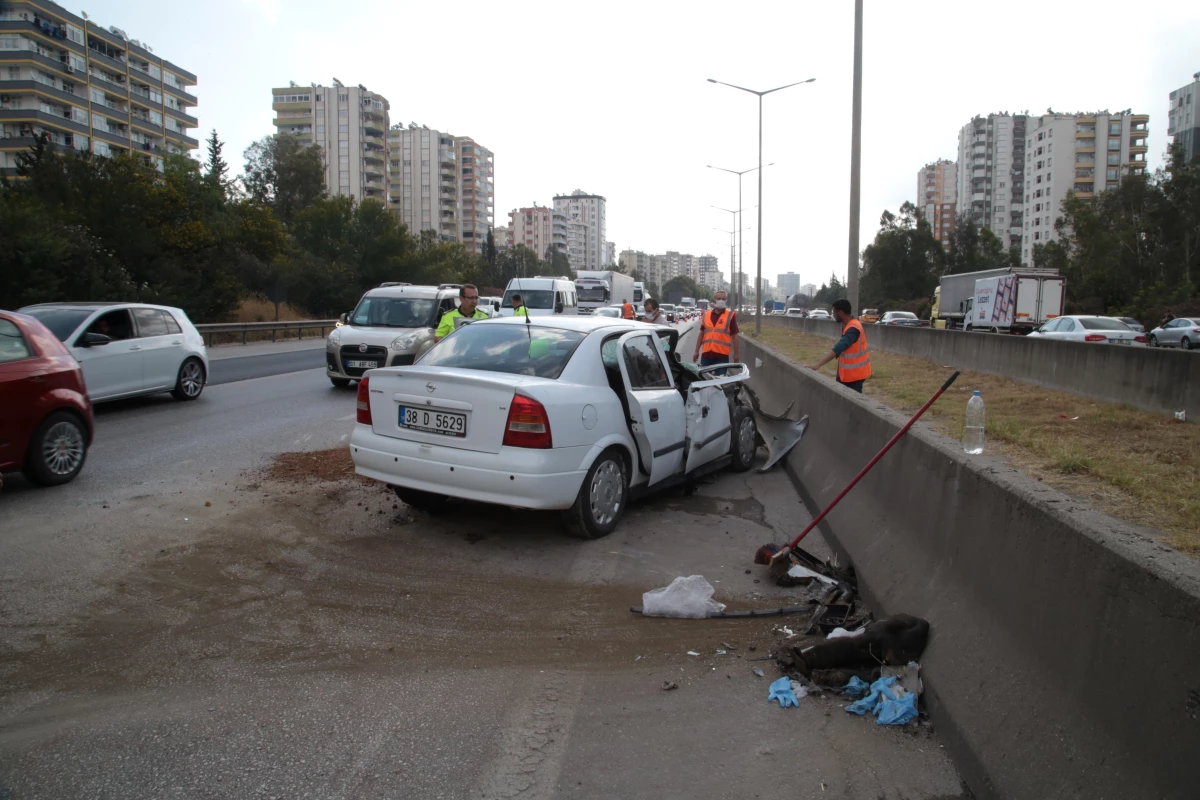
[
  {"x": 1185, "y": 343},
  {"x": 340, "y": 383},
  {"x": 57, "y": 450},
  {"x": 190, "y": 382},
  {"x": 422, "y": 501},
  {"x": 1153, "y": 341},
  {"x": 602, "y": 498},
  {"x": 745, "y": 440}
]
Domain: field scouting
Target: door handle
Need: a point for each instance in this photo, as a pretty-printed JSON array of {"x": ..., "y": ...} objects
[
  {"x": 136, "y": 347},
  {"x": 177, "y": 341},
  {"x": 654, "y": 415}
]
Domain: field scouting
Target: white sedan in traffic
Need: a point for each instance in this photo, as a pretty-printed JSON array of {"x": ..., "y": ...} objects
[
  {"x": 575, "y": 414},
  {"x": 129, "y": 349},
  {"x": 1086, "y": 328}
]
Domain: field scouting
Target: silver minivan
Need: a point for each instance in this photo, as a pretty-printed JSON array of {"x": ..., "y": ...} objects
[{"x": 541, "y": 295}]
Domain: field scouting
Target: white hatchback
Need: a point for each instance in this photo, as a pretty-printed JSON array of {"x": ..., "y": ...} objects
[
  {"x": 129, "y": 349},
  {"x": 566, "y": 413}
]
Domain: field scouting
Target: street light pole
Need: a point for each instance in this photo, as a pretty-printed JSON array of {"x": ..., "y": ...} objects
[
  {"x": 761, "y": 95},
  {"x": 855, "y": 161},
  {"x": 741, "y": 282}
]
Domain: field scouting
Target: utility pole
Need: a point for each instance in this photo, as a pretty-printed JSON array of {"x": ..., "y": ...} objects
[{"x": 855, "y": 162}]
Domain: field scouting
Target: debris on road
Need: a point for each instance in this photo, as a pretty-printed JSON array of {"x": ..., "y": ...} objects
[
  {"x": 892, "y": 641},
  {"x": 839, "y": 633},
  {"x": 692, "y": 653},
  {"x": 855, "y": 687},
  {"x": 685, "y": 598},
  {"x": 758, "y": 671},
  {"x": 888, "y": 701},
  {"x": 669, "y": 685},
  {"x": 781, "y": 691},
  {"x": 778, "y": 433}
]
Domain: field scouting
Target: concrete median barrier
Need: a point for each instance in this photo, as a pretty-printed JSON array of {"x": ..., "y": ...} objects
[
  {"x": 1152, "y": 379},
  {"x": 1064, "y": 659}
]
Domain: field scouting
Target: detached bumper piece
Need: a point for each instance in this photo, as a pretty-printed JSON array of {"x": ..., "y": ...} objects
[{"x": 778, "y": 433}]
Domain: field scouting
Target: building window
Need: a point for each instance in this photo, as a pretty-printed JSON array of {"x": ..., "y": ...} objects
[
  {"x": 1113, "y": 174},
  {"x": 343, "y": 98},
  {"x": 1114, "y": 129},
  {"x": 1114, "y": 144}
]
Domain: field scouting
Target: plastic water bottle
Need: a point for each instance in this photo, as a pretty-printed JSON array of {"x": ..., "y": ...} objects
[{"x": 973, "y": 432}]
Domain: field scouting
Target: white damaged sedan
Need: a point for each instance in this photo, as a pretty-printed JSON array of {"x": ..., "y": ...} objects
[{"x": 575, "y": 414}]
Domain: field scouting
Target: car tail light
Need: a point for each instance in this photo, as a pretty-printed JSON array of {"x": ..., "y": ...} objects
[
  {"x": 1195, "y": 330},
  {"x": 364, "y": 400},
  {"x": 1095, "y": 337},
  {"x": 1141, "y": 339},
  {"x": 528, "y": 425}
]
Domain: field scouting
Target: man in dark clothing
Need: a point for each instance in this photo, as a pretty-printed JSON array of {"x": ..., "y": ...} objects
[{"x": 854, "y": 362}]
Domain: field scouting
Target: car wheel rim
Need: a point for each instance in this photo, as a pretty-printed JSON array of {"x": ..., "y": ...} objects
[
  {"x": 1154, "y": 341},
  {"x": 607, "y": 492},
  {"x": 62, "y": 451},
  {"x": 192, "y": 379},
  {"x": 1185, "y": 343},
  {"x": 746, "y": 439}
]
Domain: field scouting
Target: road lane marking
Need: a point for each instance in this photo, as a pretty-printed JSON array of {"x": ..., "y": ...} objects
[{"x": 348, "y": 417}]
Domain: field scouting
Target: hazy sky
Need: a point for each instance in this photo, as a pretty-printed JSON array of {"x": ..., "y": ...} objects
[{"x": 610, "y": 97}]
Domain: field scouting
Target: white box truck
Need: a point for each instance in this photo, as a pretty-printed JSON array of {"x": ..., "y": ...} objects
[
  {"x": 599, "y": 288},
  {"x": 1015, "y": 303}
]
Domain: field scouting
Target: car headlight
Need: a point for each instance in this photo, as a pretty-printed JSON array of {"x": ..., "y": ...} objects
[
  {"x": 335, "y": 338},
  {"x": 406, "y": 342}
]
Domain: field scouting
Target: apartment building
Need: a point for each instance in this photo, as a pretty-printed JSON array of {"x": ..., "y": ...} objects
[
  {"x": 423, "y": 181},
  {"x": 990, "y": 180},
  {"x": 1094, "y": 152},
  {"x": 809, "y": 289},
  {"x": 789, "y": 283},
  {"x": 635, "y": 262},
  {"x": 88, "y": 88},
  {"x": 501, "y": 236},
  {"x": 533, "y": 228},
  {"x": 1183, "y": 123},
  {"x": 610, "y": 254},
  {"x": 476, "y": 168},
  {"x": 937, "y": 196},
  {"x": 350, "y": 125},
  {"x": 709, "y": 272},
  {"x": 584, "y": 225}
]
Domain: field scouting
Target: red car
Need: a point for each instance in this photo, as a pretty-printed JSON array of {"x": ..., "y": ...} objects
[{"x": 46, "y": 427}]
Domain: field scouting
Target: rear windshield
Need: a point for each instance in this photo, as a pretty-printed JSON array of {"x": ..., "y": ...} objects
[
  {"x": 1103, "y": 324},
  {"x": 62, "y": 322},
  {"x": 394, "y": 312},
  {"x": 667, "y": 307},
  {"x": 516, "y": 349},
  {"x": 530, "y": 298},
  {"x": 902, "y": 315}
]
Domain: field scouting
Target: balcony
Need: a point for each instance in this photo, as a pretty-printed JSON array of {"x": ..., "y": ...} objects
[
  {"x": 190, "y": 100},
  {"x": 1089, "y": 161},
  {"x": 183, "y": 116},
  {"x": 109, "y": 84},
  {"x": 1141, "y": 119},
  {"x": 373, "y": 156},
  {"x": 1136, "y": 148},
  {"x": 1085, "y": 174}
]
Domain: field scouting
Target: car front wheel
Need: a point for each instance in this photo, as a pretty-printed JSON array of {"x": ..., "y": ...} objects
[
  {"x": 340, "y": 383},
  {"x": 1153, "y": 341},
  {"x": 190, "y": 382},
  {"x": 745, "y": 440},
  {"x": 57, "y": 450},
  {"x": 602, "y": 498}
]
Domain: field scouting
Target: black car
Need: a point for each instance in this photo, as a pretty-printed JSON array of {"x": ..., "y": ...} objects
[{"x": 906, "y": 318}]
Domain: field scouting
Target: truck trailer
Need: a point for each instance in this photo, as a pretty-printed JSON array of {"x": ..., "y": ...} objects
[
  {"x": 955, "y": 296},
  {"x": 1015, "y": 303},
  {"x": 599, "y": 288}
]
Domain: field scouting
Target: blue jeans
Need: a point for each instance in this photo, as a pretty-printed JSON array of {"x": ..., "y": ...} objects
[{"x": 709, "y": 359}]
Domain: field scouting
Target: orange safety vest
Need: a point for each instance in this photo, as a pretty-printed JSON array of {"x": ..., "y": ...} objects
[
  {"x": 626, "y": 311},
  {"x": 715, "y": 339},
  {"x": 855, "y": 363}
]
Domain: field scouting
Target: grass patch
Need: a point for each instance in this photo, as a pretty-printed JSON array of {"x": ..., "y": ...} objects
[{"x": 1136, "y": 465}]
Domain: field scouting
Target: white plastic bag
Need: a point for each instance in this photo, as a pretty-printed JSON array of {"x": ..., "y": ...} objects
[{"x": 688, "y": 598}]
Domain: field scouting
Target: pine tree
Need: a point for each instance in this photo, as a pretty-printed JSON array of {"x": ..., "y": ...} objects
[{"x": 217, "y": 170}]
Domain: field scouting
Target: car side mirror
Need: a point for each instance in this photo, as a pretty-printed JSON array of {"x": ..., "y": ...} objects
[
  {"x": 344, "y": 319},
  {"x": 558, "y": 307},
  {"x": 94, "y": 340}
]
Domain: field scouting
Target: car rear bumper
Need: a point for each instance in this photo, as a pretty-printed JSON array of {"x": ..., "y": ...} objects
[{"x": 457, "y": 473}]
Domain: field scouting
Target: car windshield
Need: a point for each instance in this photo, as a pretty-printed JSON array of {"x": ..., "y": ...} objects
[
  {"x": 667, "y": 307},
  {"x": 394, "y": 312},
  {"x": 497, "y": 347},
  {"x": 62, "y": 322},
  {"x": 592, "y": 292},
  {"x": 530, "y": 298},
  {"x": 870, "y": 310},
  {"x": 1103, "y": 324}
]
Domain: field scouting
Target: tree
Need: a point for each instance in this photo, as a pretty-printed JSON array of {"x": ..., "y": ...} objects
[
  {"x": 216, "y": 170},
  {"x": 834, "y": 290},
  {"x": 681, "y": 284},
  {"x": 284, "y": 174},
  {"x": 901, "y": 263}
]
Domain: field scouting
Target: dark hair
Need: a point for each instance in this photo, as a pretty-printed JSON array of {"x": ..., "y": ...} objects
[
  {"x": 650, "y": 301},
  {"x": 462, "y": 289},
  {"x": 515, "y": 296},
  {"x": 842, "y": 305}
]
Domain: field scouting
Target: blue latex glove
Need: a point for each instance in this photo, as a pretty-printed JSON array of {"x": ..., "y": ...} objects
[
  {"x": 857, "y": 687},
  {"x": 781, "y": 690},
  {"x": 870, "y": 703},
  {"x": 898, "y": 712}
]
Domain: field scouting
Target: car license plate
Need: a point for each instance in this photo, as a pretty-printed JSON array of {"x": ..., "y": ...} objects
[
  {"x": 362, "y": 364},
  {"x": 1120, "y": 341},
  {"x": 432, "y": 420}
]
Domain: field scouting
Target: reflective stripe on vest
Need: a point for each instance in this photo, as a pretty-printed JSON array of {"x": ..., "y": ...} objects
[
  {"x": 716, "y": 339},
  {"x": 626, "y": 311},
  {"x": 855, "y": 363}
]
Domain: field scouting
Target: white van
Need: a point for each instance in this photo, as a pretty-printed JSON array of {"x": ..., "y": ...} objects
[{"x": 541, "y": 295}]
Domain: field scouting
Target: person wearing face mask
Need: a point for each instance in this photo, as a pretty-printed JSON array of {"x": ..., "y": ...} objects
[
  {"x": 468, "y": 302},
  {"x": 718, "y": 335}
]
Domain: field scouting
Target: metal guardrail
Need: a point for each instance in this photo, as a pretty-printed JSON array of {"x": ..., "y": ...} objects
[{"x": 245, "y": 328}]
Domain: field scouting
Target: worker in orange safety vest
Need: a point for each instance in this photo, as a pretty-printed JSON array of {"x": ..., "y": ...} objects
[
  {"x": 627, "y": 310},
  {"x": 718, "y": 335},
  {"x": 854, "y": 362}
]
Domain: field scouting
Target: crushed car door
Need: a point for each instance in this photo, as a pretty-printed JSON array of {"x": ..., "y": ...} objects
[
  {"x": 655, "y": 405},
  {"x": 707, "y": 427}
]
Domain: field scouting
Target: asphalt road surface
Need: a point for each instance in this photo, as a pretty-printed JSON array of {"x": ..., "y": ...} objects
[
  {"x": 182, "y": 622},
  {"x": 229, "y": 370}
]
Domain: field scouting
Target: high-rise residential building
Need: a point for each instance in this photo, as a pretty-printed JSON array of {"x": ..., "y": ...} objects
[
  {"x": 533, "y": 228},
  {"x": 610, "y": 254},
  {"x": 349, "y": 124},
  {"x": 87, "y": 88},
  {"x": 709, "y": 272},
  {"x": 1080, "y": 153},
  {"x": 501, "y": 236},
  {"x": 937, "y": 196},
  {"x": 477, "y": 166},
  {"x": 423, "y": 187},
  {"x": 658, "y": 273},
  {"x": 991, "y": 163},
  {"x": 635, "y": 263},
  {"x": 585, "y": 228},
  {"x": 809, "y": 289},
  {"x": 789, "y": 283},
  {"x": 1183, "y": 123}
]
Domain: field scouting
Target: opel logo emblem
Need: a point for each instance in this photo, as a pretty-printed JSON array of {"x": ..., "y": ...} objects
[
  {"x": 429, "y": 387},
  {"x": 362, "y": 348}
]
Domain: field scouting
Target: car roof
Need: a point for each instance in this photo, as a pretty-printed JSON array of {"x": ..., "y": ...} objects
[
  {"x": 583, "y": 324},
  {"x": 419, "y": 292},
  {"x": 96, "y": 306}
]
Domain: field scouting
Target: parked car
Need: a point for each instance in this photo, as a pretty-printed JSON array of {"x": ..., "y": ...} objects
[
  {"x": 1086, "y": 328},
  {"x": 391, "y": 326},
  {"x": 608, "y": 311},
  {"x": 1133, "y": 323},
  {"x": 575, "y": 414},
  {"x": 905, "y": 318},
  {"x": 46, "y": 425},
  {"x": 1180, "y": 332},
  {"x": 869, "y": 316},
  {"x": 819, "y": 313},
  {"x": 794, "y": 312},
  {"x": 129, "y": 349}
]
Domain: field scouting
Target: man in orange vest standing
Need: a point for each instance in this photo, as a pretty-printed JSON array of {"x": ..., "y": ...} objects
[
  {"x": 854, "y": 362},
  {"x": 627, "y": 310},
  {"x": 718, "y": 335}
]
